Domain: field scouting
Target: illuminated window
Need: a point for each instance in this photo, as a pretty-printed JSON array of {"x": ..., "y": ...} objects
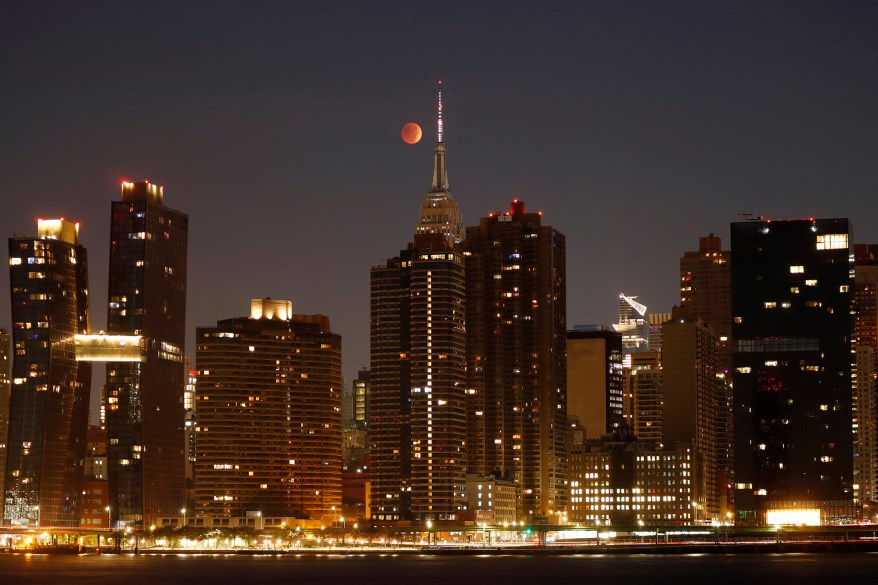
[
  {"x": 832, "y": 241},
  {"x": 811, "y": 282},
  {"x": 770, "y": 304},
  {"x": 797, "y": 269}
]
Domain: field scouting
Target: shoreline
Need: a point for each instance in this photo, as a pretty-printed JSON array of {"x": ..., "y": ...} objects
[{"x": 722, "y": 548}]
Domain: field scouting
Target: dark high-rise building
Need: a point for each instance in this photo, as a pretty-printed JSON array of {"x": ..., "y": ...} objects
[
  {"x": 4, "y": 411},
  {"x": 594, "y": 380},
  {"x": 144, "y": 399},
  {"x": 417, "y": 370},
  {"x": 517, "y": 355},
  {"x": 865, "y": 390},
  {"x": 269, "y": 415},
  {"x": 48, "y": 415},
  {"x": 792, "y": 329}
]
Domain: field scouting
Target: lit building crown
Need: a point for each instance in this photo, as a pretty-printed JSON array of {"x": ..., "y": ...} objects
[{"x": 439, "y": 212}]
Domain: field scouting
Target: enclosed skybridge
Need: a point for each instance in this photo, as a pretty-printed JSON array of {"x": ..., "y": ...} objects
[{"x": 109, "y": 348}]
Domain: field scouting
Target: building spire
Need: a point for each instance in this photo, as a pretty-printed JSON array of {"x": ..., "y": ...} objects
[
  {"x": 439, "y": 128},
  {"x": 440, "y": 175},
  {"x": 439, "y": 212}
]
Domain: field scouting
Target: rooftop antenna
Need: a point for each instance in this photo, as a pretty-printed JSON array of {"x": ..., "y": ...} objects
[{"x": 439, "y": 120}]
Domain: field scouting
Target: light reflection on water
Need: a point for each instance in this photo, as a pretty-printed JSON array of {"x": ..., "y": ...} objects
[{"x": 425, "y": 569}]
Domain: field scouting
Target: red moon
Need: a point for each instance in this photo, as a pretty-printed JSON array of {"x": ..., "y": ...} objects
[{"x": 411, "y": 133}]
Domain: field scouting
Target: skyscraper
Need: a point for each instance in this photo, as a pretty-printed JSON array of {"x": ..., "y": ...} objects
[
  {"x": 144, "y": 398},
  {"x": 517, "y": 355},
  {"x": 706, "y": 294},
  {"x": 269, "y": 415},
  {"x": 48, "y": 413},
  {"x": 865, "y": 390},
  {"x": 792, "y": 329},
  {"x": 417, "y": 371}
]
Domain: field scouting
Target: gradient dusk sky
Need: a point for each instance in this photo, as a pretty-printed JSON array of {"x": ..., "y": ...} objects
[{"x": 636, "y": 127}]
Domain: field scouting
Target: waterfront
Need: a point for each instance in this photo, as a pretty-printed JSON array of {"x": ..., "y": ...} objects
[{"x": 427, "y": 569}]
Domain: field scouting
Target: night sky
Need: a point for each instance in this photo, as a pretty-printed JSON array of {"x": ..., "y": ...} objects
[{"x": 636, "y": 127}]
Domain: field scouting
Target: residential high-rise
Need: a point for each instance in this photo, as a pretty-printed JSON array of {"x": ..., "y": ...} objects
[
  {"x": 594, "y": 380},
  {"x": 417, "y": 370},
  {"x": 144, "y": 398},
  {"x": 865, "y": 390},
  {"x": 48, "y": 414},
  {"x": 644, "y": 385},
  {"x": 706, "y": 294},
  {"x": 4, "y": 412},
  {"x": 517, "y": 356},
  {"x": 269, "y": 435},
  {"x": 792, "y": 329}
]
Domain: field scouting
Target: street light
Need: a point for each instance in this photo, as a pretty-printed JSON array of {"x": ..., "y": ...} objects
[
  {"x": 183, "y": 511},
  {"x": 109, "y": 521},
  {"x": 37, "y": 508}
]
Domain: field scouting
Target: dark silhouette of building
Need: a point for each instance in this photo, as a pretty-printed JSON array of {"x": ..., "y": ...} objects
[
  {"x": 144, "y": 398},
  {"x": 269, "y": 435},
  {"x": 48, "y": 413},
  {"x": 517, "y": 355},
  {"x": 792, "y": 329}
]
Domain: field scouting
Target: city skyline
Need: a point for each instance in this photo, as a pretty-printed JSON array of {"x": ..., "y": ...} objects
[{"x": 674, "y": 125}]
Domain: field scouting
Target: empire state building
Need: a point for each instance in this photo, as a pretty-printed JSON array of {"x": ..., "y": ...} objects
[
  {"x": 418, "y": 416},
  {"x": 439, "y": 212}
]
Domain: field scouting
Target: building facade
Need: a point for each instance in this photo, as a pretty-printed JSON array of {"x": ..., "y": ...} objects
[
  {"x": 594, "y": 380},
  {"x": 690, "y": 400},
  {"x": 517, "y": 356},
  {"x": 792, "y": 328},
  {"x": 865, "y": 390},
  {"x": 268, "y": 397},
  {"x": 623, "y": 482},
  {"x": 144, "y": 397},
  {"x": 48, "y": 413},
  {"x": 644, "y": 384}
]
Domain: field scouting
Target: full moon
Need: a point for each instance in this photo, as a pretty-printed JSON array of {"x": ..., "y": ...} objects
[{"x": 411, "y": 133}]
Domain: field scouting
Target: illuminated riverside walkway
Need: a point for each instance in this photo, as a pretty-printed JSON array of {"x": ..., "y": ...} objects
[{"x": 447, "y": 540}]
